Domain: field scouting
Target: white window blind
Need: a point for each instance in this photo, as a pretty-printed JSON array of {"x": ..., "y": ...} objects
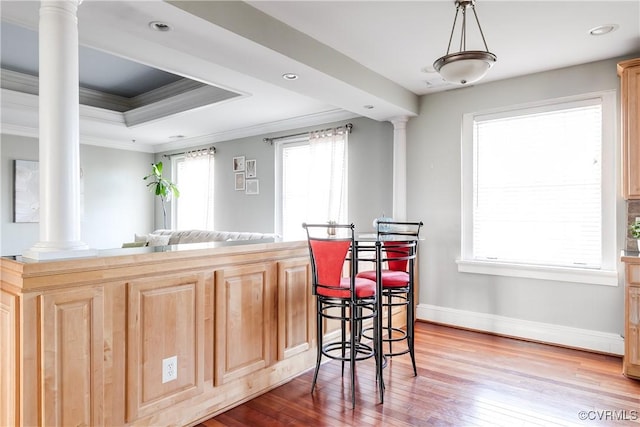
[{"x": 537, "y": 186}]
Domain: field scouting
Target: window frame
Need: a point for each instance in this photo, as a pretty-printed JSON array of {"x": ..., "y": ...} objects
[
  {"x": 301, "y": 140},
  {"x": 607, "y": 274},
  {"x": 279, "y": 149},
  {"x": 175, "y": 159}
]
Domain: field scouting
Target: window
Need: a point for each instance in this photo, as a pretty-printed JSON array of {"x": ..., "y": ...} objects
[
  {"x": 539, "y": 191},
  {"x": 193, "y": 174},
  {"x": 311, "y": 184}
]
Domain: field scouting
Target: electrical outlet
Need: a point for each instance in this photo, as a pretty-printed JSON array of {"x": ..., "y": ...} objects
[{"x": 169, "y": 369}]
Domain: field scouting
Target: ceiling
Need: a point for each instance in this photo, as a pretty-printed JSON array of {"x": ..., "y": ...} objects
[{"x": 353, "y": 58}]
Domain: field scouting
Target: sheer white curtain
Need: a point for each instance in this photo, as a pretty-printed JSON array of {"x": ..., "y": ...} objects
[
  {"x": 327, "y": 170},
  {"x": 194, "y": 207},
  {"x": 311, "y": 181}
]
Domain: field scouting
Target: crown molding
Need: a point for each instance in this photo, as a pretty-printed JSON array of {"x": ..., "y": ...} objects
[
  {"x": 19, "y": 82},
  {"x": 26, "y": 83},
  {"x": 262, "y": 129},
  {"x": 179, "y": 103},
  {"x": 164, "y": 92},
  {"x": 20, "y": 117},
  {"x": 115, "y": 144}
]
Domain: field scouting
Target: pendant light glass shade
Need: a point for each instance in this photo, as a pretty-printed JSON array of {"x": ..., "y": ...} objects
[{"x": 465, "y": 66}]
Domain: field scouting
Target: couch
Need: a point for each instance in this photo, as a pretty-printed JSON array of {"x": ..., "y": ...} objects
[{"x": 175, "y": 237}]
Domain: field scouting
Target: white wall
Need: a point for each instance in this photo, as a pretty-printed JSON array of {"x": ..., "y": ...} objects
[
  {"x": 116, "y": 201},
  {"x": 535, "y": 309}
]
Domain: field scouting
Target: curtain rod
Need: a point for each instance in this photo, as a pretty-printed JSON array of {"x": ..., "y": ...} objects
[
  {"x": 168, "y": 156},
  {"x": 348, "y": 126}
]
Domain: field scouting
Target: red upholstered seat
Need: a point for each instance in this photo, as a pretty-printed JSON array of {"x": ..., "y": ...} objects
[
  {"x": 365, "y": 288},
  {"x": 390, "y": 278},
  {"x": 397, "y": 255}
]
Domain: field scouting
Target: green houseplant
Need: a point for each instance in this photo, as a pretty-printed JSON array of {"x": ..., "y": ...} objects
[
  {"x": 161, "y": 187},
  {"x": 634, "y": 228}
]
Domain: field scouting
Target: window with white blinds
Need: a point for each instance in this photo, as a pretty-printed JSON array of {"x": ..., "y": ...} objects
[{"x": 541, "y": 187}]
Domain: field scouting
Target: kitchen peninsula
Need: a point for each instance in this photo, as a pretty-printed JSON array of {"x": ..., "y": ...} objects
[{"x": 152, "y": 336}]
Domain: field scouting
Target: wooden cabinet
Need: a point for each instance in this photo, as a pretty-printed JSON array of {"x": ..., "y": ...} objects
[
  {"x": 84, "y": 341},
  {"x": 629, "y": 72},
  {"x": 296, "y": 308},
  {"x": 72, "y": 357},
  {"x": 631, "y": 364},
  {"x": 165, "y": 320},
  {"x": 244, "y": 320}
]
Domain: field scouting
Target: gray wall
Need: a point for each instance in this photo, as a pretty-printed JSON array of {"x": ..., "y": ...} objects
[
  {"x": 116, "y": 207},
  {"x": 434, "y": 196},
  {"x": 116, "y": 201},
  {"x": 370, "y": 177}
]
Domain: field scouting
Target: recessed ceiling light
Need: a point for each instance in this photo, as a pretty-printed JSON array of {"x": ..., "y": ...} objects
[
  {"x": 289, "y": 76},
  {"x": 159, "y": 26},
  {"x": 603, "y": 29},
  {"x": 368, "y": 107}
]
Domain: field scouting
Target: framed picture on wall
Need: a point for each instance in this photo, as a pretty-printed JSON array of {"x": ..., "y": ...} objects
[
  {"x": 26, "y": 192},
  {"x": 250, "y": 169},
  {"x": 252, "y": 187},
  {"x": 238, "y": 164},
  {"x": 239, "y": 181}
]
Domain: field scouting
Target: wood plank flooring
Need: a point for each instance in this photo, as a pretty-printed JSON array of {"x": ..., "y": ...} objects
[{"x": 464, "y": 378}]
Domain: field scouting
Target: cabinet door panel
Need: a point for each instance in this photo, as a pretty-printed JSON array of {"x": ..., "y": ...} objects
[
  {"x": 630, "y": 92},
  {"x": 165, "y": 320},
  {"x": 73, "y": 365},
  {"x": 633, "y": 329},
  {"x": 10, "y": 354},
  {"x": 296, "y": 308},
  {"x": 244, "y": 325}
]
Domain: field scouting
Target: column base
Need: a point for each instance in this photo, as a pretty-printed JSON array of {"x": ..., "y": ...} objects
[{"x": 55, "y": 250}]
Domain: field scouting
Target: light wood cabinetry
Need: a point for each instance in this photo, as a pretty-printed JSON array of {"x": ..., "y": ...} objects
[
  {"x": 244, "y": 320},
  {"x": 631, "y": 363},
  {"x": 164, "y": 320},
  {"x": 629, "y": 72},
  {"x": 83, "y": 341},
  {"x": 72, "y": 357},
  {"x": 296, "y": 308},
  {"x": 9, "y": 408}
]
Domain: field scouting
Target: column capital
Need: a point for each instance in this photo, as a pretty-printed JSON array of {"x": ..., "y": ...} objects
[
  {"x": 399, "y": 122},
  {"x": 70, "y": 6}
]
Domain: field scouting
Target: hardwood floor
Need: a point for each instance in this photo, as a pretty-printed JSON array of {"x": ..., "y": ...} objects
[{"x": 464, "y": 379}]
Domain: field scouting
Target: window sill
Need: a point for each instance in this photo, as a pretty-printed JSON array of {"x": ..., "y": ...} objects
[{"x": 560, "y": 274}]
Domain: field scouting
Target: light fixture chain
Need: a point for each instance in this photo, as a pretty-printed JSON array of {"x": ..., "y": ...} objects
[
  {"x": 463, "y": 33},
  {"x": 480, "y": 28},
  {"x": 453, "y": 28}
]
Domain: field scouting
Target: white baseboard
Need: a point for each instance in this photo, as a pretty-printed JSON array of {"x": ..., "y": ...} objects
[{"x": 603, "y": 342}]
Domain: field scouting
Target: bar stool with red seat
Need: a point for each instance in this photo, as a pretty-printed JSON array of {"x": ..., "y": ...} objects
[
  {"x": 399, "y": 252},
  {"x": 347, "y": 299}
]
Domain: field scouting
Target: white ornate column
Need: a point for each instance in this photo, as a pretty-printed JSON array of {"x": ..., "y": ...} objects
[
  {"x": 400, "y": 168},
  {"x": 59, "y": 134}
]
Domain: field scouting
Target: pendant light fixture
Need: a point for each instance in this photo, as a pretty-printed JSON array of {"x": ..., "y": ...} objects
[{"x": 465, "y": 66}]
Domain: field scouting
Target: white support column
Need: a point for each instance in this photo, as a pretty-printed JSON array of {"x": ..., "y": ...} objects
[
  {"x": 59, "y": 134},
  {"x": 400, "y": 168}
]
